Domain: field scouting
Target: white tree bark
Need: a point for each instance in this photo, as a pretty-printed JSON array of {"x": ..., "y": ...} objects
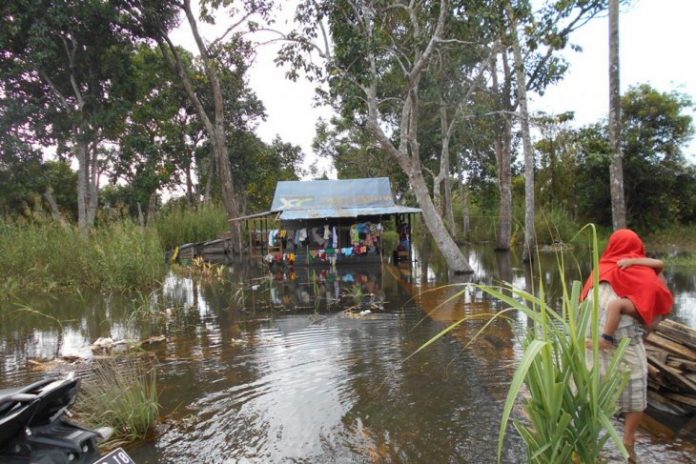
[
  {"x": 529, "y": 246},
  {"x": 618, "y": 204},
  {"x": 215, "y": 126},
  {"x": 503, "y": 151},
  {"x": 407, "y": 154}
]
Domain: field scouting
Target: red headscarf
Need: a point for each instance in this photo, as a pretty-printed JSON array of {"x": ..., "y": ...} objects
[{"x": 640, "y": 284}]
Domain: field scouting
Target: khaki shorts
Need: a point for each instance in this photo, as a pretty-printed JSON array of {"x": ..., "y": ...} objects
[{"x": 635, "y": 397}]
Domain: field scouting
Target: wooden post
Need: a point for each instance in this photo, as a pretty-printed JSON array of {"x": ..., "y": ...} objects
[{"x": 410, "y": 238}]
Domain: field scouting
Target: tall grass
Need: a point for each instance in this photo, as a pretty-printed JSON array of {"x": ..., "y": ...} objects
[
  {"x": 181, "y": 225},
  {"x": 570, "y": 405},
  {"x": 121, "y": 397},
  {"x": 48, "y": 257}
]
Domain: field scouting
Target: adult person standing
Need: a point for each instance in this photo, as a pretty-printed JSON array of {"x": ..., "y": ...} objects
[{"x": 626, "y": 274}]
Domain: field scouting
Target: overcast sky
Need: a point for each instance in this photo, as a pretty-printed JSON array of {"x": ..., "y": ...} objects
[{"x": 656, "y": 47}]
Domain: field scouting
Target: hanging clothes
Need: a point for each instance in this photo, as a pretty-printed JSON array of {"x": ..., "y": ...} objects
[
  {"x": 354, "y": 235},
  {"x": 334, "y": 238},
  {"x": 301, "y": 236},
  {"x": 317, "y": 237},
  {"x": 327, "y": 232},
  {"x": 272, "y": 237}
]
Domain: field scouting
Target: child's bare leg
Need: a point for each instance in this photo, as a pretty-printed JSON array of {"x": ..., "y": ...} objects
[{"x": 615, "y": 309}]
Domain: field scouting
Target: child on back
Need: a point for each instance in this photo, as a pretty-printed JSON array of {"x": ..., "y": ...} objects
[
  {"x": 636, "y": 280},
  {"x": 625, "y": 306}
]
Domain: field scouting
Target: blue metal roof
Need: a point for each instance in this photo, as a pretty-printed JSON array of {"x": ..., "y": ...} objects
[{"x": 318, "y": 199}]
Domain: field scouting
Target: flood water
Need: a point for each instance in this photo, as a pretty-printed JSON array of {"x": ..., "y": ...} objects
[{"x": 310, "y": 366}]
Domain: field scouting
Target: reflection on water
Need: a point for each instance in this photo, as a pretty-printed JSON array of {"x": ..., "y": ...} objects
[{"x": 308, "y": 365}]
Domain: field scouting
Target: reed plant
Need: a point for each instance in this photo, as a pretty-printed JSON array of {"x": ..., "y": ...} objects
[
  {"x": 180, "y": 225},
  {"x": 120, "y": 396},
  {"x": 48, "y": 257},
  {"x": 568, "y": 404}
]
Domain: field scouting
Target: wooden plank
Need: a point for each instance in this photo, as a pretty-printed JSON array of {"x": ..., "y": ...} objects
[
  {"x": 661, "y": 403},
  {"x": 657, "y": 353},
  {"x": 675, "y": 375},
  {"x": 672, "y": 347},
  {"x": 680, "y": 333},
  {"x": 684, "y": 399},
  {"x": 681, "y": 363}
]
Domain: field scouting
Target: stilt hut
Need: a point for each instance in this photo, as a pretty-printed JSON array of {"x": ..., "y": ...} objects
[{"x": 329, "y": 222}]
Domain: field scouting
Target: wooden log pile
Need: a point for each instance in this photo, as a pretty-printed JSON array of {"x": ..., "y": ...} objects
[{"x": 671, "y": 353}]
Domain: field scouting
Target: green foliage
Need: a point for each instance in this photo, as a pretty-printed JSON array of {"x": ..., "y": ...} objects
[
  {"x": 123, "y": 397},
  {"x": 668, "y": 240},
  {"x": 24, "y": 178},
  {"x": 179, "y": 225},
  {"x": 570, "y": 405},
  {"x": 660, "y": 186},
  {"x": 47, "y": 257}
]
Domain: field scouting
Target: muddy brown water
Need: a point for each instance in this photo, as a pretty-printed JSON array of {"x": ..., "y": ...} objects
[{"x": 297, "y": 370}]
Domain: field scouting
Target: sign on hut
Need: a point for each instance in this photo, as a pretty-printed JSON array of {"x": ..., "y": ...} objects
[{"x": 329, "y": 222}]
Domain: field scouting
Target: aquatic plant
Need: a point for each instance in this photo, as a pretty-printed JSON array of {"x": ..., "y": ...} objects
[
  {"x": 122, "y": 396},
  {"x": 568, "y": 404},
  {"x": 48, "y": 257},
  {"x": 179, "y": 225},
  {"x": 202, "y": 269}
]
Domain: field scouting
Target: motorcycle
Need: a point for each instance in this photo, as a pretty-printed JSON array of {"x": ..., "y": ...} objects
[{"x": 34, "y": 427}]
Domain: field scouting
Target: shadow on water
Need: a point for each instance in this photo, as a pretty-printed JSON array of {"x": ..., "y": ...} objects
[{"x": 307, "y": 365}]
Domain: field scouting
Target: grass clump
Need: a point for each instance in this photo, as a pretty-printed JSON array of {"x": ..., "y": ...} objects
[
  {"x": 180, "y": 225},
  {"x": 569, "y": 405},
  {"x": 121, "y": 397}
]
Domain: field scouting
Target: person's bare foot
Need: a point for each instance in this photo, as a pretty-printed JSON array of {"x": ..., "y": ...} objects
[{"x": 632, "y": 456}]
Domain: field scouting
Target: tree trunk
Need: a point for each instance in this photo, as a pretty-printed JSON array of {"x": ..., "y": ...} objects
[
  {"x": 82, "y": 185},
  {"x": 618, "y": 204},
  {"x": 464, "y": 194},
  {"x": 466, "y": 210},
  {"x": 449, "y": 208},
  {"x": 53, "y": 206},
  {"x": 503, "y": 150},
  {"x": 92, "y": 187},
  {"x": 189, "y": 184},
  {"x": 141, "y": 216},
  {"x": 209, "y": 180},
  {"x": 433, "y": 221},
  {"x": 529, "y": 235},
  {"x": 407, "y": 154},
  {"x": 443, "y": 177},
  {"x": 151, "y": 208}
]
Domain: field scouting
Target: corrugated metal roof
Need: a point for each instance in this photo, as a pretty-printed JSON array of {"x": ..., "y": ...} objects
[
  {"x": 317, "y": 199},
  {"x": 298, "y": 214}
]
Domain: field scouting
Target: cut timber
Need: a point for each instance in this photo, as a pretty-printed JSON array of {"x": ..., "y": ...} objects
[
  {"x": 658, "y": 401},
  {"x": 682, "y": 364},
  {"x": 672, "y": 347},
  {"x": 687, "y": 400},
  {"x": 674, "y": 374},
  {"x": 657, "y": 353},
  {"x": 678, "y": 332}
]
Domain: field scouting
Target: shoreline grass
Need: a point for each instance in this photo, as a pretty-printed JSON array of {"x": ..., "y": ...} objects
[
  {"x": 123, "y": 397},
  {"x": 47, "y": 257},
  {"x": 180, "y": 225}
]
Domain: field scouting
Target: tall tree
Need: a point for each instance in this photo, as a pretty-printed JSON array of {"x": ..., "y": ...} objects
[
  {"x": 618, "y": 203},
  {"x": 381, "y": 52},
  {"x": 70, "y": 69},
  {"x": 152, "y": 18},
  {"x": 529, "y": 246}
]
